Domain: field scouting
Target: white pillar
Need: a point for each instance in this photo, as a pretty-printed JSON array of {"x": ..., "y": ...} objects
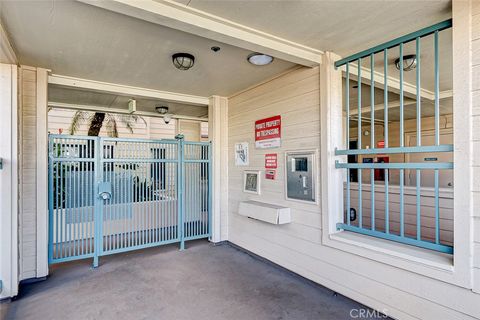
[
  {"x": 8, "y": 181},
  {"x": 42, "y": 173},
  {"x": 218, "y": 134},
  {"x": 332, "y": 137}
]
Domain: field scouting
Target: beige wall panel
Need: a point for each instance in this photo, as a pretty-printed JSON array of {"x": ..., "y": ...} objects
[{"x": 297, "y": 246}]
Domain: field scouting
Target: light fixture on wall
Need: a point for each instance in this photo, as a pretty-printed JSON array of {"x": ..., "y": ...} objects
[
  {"x": 183, "y": 61},
  {"x": 259, "y": 59},
  {"x": 162, "y": 109},
  {"x": 409, "y": 62}
]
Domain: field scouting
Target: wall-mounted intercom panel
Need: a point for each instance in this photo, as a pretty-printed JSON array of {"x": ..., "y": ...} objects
[{"x": 300, "y": 173}]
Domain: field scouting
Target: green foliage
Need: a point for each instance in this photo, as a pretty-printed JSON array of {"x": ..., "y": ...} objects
[{"x": 96, "y": 120}]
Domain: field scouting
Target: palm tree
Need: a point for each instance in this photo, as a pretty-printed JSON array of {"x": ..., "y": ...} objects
[{"x": 97, "y": 120}]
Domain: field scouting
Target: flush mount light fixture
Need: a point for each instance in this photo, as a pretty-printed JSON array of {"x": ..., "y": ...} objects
[
  {"x": 259, "y": 59},
  {"x": 409, "y": 62},
  {"x": 162, "y": 109},
  {"x": 183, "y": 61}
]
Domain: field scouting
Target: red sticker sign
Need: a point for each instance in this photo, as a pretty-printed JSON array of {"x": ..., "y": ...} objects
[
  {"x": 271, "y": 161},
  {"x": 270, "y": 174},
  {"x": 268, "y": 132}
]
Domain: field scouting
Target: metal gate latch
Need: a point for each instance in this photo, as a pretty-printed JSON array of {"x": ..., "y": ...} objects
[{"x": 105, "y": 190}]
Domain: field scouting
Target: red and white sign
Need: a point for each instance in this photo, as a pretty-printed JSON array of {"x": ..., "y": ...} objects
[
  {"x": 268, "y": 132},
  {"x": 270, "y": 174},
  {"x": 271, "y": 161},
  {"x": 381, "y": 144}
]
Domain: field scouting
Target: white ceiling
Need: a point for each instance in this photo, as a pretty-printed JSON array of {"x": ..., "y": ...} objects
[
  {"x": 105, "y": 100},
  {"x": 347, "y": 27},
  {"x": 342, "y": 26},
  {"x": 80, "y": 40}
]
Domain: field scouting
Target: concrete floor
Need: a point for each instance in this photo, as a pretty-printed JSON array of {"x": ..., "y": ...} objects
[{"x": 202, "y": 282}]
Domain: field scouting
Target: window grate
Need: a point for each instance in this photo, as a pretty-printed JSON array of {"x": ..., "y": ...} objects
[{"x": 373, "y": 226}]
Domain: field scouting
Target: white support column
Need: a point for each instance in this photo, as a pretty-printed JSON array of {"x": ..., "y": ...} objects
[
  {"x": 8, "y": 182},
  {"x": 42, "y": 172},
  {"x": 332, "y": 134},
  {"x": 218, "y": 134},
  {"x": 463, "y": 175}
]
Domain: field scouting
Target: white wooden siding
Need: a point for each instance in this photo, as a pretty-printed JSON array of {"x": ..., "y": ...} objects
[
  {"x": 27, "y": 174},
  {"x": 298, "y": 246},
  {"x": 476, "y": 140}
]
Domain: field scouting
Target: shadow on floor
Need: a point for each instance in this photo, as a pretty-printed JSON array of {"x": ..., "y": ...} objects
[{"x": 202, "y": 282}]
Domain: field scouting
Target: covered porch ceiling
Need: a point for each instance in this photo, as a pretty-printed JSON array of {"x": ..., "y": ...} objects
[{"x": 131, "y": 43}]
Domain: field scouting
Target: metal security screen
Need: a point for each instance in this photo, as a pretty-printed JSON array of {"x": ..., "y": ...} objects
[
  {"x": 422, "y": 228},
  {"x": 110, "y": 195}
]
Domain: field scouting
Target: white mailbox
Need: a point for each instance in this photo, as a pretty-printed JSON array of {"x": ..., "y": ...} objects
[{"x": 267, "y": 212}]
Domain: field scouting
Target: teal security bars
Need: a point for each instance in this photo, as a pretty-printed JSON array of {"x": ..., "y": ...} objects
[
  {"x": 110, "y": 195},
  {"x": 385, "y": 231}
]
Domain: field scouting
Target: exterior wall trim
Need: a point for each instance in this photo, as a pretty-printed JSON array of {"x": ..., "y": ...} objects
[
  {"x": 9, "y": 186},
  {"x": 42, "y": 172}
]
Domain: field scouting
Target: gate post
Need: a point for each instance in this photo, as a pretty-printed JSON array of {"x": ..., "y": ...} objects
[
  {"x": 98, "y": 207},
  {"x": 180, "y": 193}
]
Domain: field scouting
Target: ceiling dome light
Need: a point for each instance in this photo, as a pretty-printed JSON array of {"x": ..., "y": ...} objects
[
  {"x": 183, "y": 61},
  {"x": 409, "y": 62},
  {"x": 259, "y": 59}
]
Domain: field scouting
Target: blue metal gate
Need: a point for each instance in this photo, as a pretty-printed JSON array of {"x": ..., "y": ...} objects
[{"x": 110, "y": 195}]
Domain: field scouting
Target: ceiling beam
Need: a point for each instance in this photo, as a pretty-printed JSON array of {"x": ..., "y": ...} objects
[
  {"x": 409, "y": 90},
  {"x": 82, "y": 107},
  {"x": 381, "y": 106},
  {"x": 7, "y": 54},
  {"x": 178, "y": 16},
  {"x": 124, "y": 90}
]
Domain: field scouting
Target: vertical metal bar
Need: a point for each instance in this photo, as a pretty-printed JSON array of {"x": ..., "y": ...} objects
[
  {"x": 372, "y": 137},
  {"x": 437, "y": 90},
  {"x": 82, "y": 197},
  {"x": 198, "y": 196},
  {"x": 91, "y": 204},
  {"x": 109, "y": 210},
  {"x": 359, "y": 146},
  {"x": 98, "y": 247},
  {"x": 386, "y": 133},
  {"x": 75, "y": 201},
  {"x": 419, "y": 141},
  {"x": 50, "y": 200},
  {"x": 347, "y": 134},
  {"x": 437, "y": 213},
  {"x": 402, "y": 138},
  {"x": 174, "y": 185},
  {"x": 153, "y": 179},
  {"x": 62, "y": 204},
  {"x": 162, "y": 194},
  {"x": 181, "y": 182},
  {"x": 209, "y": 175},
  {"x": 68, "y": 222},
  {"x": 437, "y": 135},
  {"x": 92, "y": 196}
]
